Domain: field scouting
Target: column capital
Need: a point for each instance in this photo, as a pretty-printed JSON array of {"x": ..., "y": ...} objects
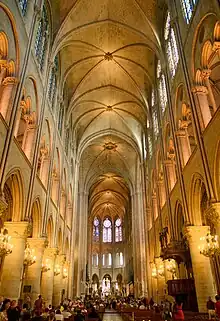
[
  {"x": 213, "y": 213},
  {"x": 37, "y": 243},
  {"x": 9, "y": 81},
  {"x": 181, "y": 132},
  {"x": 51, "y": 252},
  {"x": 205, "y": 73},
  {"x": 198, "y": 89},
  {"x": 193, "y": 233},
  {"x": 216, "y": 46},
  {"x": 17, "y": 229}
]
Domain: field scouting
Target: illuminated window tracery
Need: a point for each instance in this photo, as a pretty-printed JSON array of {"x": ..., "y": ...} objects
[
  {"x": 96, "y": 230},
  {"x": 171, "y": 46},
  {"x": 107, "y": 231},
  {"x": 161, "y": 87},
  {"x": 23, "y": 5},
  {"x": 118, "y": 230},
  {"x": 187, "y": 8},
  {"x": 41, "y": 40}
]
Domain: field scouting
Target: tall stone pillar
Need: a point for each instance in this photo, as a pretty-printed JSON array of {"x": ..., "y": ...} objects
[
  {"x": 201, "y": 95},
  {"x": 58, "y": 284},
  {"x": 6, "y": 96},
  {"x": 185, "y": 145},
  {"x": 205, "y": 75},
  {"x": 28, "y": 141},
  {"x": 160, "y": 279},
  {"x": 171, "y": 173},
  {"x": 47, "y": 277},
  {"x": 12, "y": 269},
  {"x": 33, "y": 276},
  {"x": 204, "y": 281}
]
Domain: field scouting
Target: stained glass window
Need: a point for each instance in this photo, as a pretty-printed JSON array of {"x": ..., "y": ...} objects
[
  {"x": 155, "y": 122},
  {"x": 96, "y": 230},
  {"x": 60, "y": 120},
  {"x": 23, "y": 5},
  {"x": 161, "y": 87},
  {"x": 150, "y": 146},
  {"x": 52, "y": 87},
  {"x": 41, "y": 40},
  {"x": 187, "y": 8},
  {"x": 118, "y": 230},
  {"x": 171, "y": 46},
  {"x": 107, "y": 231}
]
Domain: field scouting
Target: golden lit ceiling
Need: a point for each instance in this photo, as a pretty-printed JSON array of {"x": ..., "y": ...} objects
[{"x": 108, "y": 51}]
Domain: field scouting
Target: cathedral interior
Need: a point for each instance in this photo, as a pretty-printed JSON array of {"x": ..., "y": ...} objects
[{"x": 110, "y": 149}]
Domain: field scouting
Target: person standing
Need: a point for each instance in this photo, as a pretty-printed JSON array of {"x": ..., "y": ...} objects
[
  {"x": 4, "y": 309},
  {"x": 217, "y": 306},
  {"x": 178, "y": 311},
  {"x": 211, "y": 308},
  {"x": 13, "y": 312},
  {"x": 38, "y": 305}
]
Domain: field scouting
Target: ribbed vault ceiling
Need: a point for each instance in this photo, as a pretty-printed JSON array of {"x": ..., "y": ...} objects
[{"x": 107, "y": 51}]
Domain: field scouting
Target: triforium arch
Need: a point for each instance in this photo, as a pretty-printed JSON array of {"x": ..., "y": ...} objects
[
  {"x": 36, "y": 219},
  {"x": 10, "y": 59},
  {"x": 14, "y": 191},
  {"x": 206, "y": 68}
]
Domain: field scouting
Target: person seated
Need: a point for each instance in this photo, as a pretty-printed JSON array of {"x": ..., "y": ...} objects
[
  {"x": 79, "y": 316},
  {"x": 93, "y": 314},
  {"x": 58, "y": 315},
  {"x": 66, "y": 314}
]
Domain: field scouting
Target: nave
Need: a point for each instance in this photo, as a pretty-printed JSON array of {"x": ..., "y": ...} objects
[{"x": 110, "y": 150}]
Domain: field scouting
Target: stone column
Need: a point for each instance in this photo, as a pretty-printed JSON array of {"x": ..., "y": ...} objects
[
  {"x": 205, "y": 75},
  {"x": 47, "y": 278},
  {"x": 44, "y": 168},
  {"x": 204, "y": 281},
  {"x": 160, "y": 280},
  {"x": 12, "y": 269},
  {"x": 184, "y": 145},
  {"x": 154, "y": 207},
  {"x": 58, "y": 284},
  {"x": 3, "y": 69},
  {"x": 171, "y": 173},
  {"x": 6, "y": 95},
  {"x": 161, "y": 188},
  {"x": 33, "y": 276},
  {"x": 201, "y": 95},
  {"x": 28, "y": 141}
]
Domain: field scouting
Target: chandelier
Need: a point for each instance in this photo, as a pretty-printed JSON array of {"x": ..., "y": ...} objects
[
  {"x": 5, "y": 246},
  {"x": 160, "y": 269},
  {"x": 171, "y": 266},
  {"x": 209, "y": 245},
  {"x": 65, "y": 274},
  {"x": 57, "y": 270},
  {"x": 157, "y": 271},
  {"x": 29, "y": 257},
  {"x": 45, "y": 266}
]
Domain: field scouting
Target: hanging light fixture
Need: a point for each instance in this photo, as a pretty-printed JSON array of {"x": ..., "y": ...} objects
[
  {"x": 5, "y": 246},
  {"x": 171, "y": 266},
  {"x": 29, "y": 257},
  {"x": 160, "y": 269},
  {"x": 57, "y": 270},
  {"x": 209, "y": 245},
  {"x": 45, "y": 266}
]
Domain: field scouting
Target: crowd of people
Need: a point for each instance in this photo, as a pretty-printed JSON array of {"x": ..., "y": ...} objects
[{"x": 93, "y": 308}]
